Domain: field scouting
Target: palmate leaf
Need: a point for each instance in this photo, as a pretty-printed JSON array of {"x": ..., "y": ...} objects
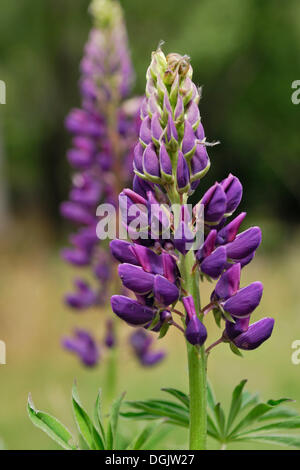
[
  {"x": 257, "y": 424},
  {"x": 51, "y": 426}
]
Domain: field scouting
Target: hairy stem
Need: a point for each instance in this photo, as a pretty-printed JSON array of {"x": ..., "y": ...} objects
[{"x": 196, "y": 364}]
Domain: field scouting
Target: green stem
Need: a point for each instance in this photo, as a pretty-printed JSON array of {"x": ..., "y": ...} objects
[
  {"x": 196, "y": 364},
  {"x": 111, "y": 374}
]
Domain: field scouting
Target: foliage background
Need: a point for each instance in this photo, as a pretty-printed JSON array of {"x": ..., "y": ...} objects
[{"x": 246, "y": 55}]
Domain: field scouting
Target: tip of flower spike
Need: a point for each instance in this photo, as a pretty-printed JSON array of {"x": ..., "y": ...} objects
[{"x": 106, "y": 13}]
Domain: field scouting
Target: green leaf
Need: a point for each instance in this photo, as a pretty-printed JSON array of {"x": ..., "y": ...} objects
[
  {"x": 217, "y": 316},
  {"x": 163, "y": 330},
  {"x": 280, "y": 439},
  {"x": 144, "y": 435},
  {"x": 253, "y": 415},
  {"x": 220, "y": 418},
  {"x": 97, "y": 416},
  {"x": 210, "y": 396},
  {"x": 289, "y": 424},
  {"x": 85, "y": 425},
  {"x": 279, "y": 413},
  {"x": 51, "y": 426},
  {"x": 249, "y": 399},
  {"x": 235, "y": 350},
  {"x": 111, "y": 440},
  {"x": 182, "y": 397},
  {"x": 211, "y": 429},
  {"x": 278, "y": 402},
  {"x": 236, "y": 403},
  {"x": 172, "y": 411}
]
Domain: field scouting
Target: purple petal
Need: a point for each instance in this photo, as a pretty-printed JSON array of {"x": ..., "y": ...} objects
[
  {"x": 256, "y": 334},
  {"x": 245, "y": 300},
  {"x": 131, "y": 310},
  {"x": 165, "y": 292}
]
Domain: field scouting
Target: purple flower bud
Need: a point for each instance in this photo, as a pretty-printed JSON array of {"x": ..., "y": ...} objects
[
  {"x": 76, "y": 213},
  {"x": 195, "y": 332},
  {"x": 183, "y": 174},
  {"x": 135, "y": 278},
  {"x": 170, "y": 269},
  {"x": 228, "y": 284},
  {"x": 151, "y": 163},
  {"x": 122, "y": 251},
  {"x": 152, "y": 358},
  {"x": 131, "y": 310},
  {"x": 141, "y": 343},
  {"x": 200, "y": 132},
  {"x": 183, "y": 238},
  {"x": 79, "y": 158},
  {"x": 244, "y": 244},
  {"x": 255, "y": 335},
  {"x": 165, "y": 292},
  {"x": 84, "y": 346},
  {"x": 193, "y": 114},
  {"x": 179, "y": 109},
  {"x": 189, "y": 306},
  {"x": 245, "y": 300},
  {"x": 200, "y": 163},
  {"x": 138, "y": 157},
  {"x": 228, "y": 233},
  {"x": 207, "y": 247},
  {"x": 189, "y": 141},
  {"x": 234, "y": 329},
  {"x": 150, "y": 261},
  {"x": 141, "y": 186},
  {"x": 214, "y": 264},
  {"x": 84, "y": 297},
  {"x": 172, "y": 135},
  {"x": 214, "y": 201},
  {"x": 234, "y": 191},
  {"x": 145, "y": 131},
  {"x": 156, "y": 129},
  {"x": 76, "y": 256},
  {"x": 165, "y": 163}
]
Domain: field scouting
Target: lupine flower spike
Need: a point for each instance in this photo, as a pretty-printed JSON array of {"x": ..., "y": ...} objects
[
  {"x": 104, "y": 131},
  {"x": 162, "y": 267}
]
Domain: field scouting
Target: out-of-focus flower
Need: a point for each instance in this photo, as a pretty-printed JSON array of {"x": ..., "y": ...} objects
[{"x": 84, "y": 346}]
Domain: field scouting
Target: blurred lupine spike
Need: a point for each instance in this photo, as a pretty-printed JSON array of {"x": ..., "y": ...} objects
[
  {"x": 102, "y": 164},
  {"x": 93, "y": 154}
]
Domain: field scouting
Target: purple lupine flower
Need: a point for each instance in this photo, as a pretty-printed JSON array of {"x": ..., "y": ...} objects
[
  {"x": 249, "y": 337},
  {"x": 195, "y": 332},
  {"x": 84, "y": 345},
  {"x": 141, "y": 343},
  {"x": 169, "y": 160}
]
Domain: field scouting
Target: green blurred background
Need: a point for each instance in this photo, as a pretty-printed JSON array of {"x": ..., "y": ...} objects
[{"x": 246, "y": 55}]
